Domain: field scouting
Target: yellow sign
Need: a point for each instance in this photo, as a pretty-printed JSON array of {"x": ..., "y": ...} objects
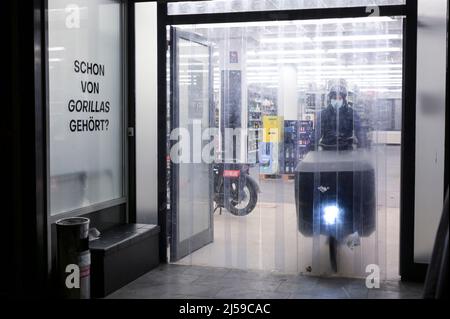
[{"x": 273, "y": 129}]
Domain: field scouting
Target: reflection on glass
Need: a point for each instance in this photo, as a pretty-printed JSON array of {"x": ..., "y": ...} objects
[
  {"x": 216, "y": 6},
  {"x": 319, "y": 106}
]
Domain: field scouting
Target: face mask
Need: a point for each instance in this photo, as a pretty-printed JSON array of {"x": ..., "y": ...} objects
[{"x": 336, "y": 103}]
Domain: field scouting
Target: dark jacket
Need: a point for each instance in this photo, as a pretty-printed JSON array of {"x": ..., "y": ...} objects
[{"x": 335, "y": 129}]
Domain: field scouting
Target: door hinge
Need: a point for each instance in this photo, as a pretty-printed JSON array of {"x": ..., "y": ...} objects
[{"x": 130, "y": 131}]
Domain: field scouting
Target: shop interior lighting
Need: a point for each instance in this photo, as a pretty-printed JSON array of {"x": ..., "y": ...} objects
[
  {"x": 287, "y": 23},
  {"x": 369, "y": 37}
]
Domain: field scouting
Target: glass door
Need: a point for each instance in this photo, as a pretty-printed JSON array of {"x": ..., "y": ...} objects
[{"x": 191, "y": 202}]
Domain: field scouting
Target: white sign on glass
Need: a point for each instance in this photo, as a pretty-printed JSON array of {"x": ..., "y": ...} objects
[{"x": 86, "y": 103}]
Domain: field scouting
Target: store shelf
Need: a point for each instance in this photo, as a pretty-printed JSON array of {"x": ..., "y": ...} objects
[{"x": 261, "y": 102}]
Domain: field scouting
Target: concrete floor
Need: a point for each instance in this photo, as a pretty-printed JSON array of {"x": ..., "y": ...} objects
[
  {"x": 196, "y": 282},
  {"x": 268, "y": 238}
]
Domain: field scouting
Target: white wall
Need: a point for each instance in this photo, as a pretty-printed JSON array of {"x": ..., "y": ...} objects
[
  {"x": 146, "y": 113},
  {"x": 430, "y": 124}
]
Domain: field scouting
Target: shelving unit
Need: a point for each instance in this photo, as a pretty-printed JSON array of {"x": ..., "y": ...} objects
[
  {"x": 297, "y": 139},
  {"x": 261, "y": 102}
]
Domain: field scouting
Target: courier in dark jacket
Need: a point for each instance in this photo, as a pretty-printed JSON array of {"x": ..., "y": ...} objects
[{"x": 338, "y": 124}]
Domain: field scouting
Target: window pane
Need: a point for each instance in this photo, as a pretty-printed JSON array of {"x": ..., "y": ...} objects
[
  {"x": 218, "y": 6},
  {"x": 86, "y": 105}
]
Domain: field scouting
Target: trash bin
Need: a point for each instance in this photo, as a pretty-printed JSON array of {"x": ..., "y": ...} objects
[{"x": 74, "y": 258}]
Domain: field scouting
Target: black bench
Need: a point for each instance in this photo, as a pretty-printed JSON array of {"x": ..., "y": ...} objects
[{"x": 121, "y": 255}]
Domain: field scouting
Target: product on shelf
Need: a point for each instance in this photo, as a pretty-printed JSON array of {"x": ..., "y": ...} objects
[
  {"x": 297, "y": 138},
  {"x": 261, "y": 102}
]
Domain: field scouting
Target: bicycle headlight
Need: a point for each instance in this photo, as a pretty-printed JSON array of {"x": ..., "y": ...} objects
[{"x": 331, "y": 214}]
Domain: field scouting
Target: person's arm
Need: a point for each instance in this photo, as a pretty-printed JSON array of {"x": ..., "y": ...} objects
[{"x": 360, "y": 131}]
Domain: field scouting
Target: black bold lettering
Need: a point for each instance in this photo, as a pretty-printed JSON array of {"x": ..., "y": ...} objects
[
  {"x": 72, "y": 126},
  {"x": 102, "y": 70},
  {"x": 89, "y": 68},
  {"x": 84, "y": 125},
  {"x": 79, "y": 106},
  {"x": 83, "y": 67},
  {"x": 71, "y": 105},
  {"x": 76, "y": 66},
  {"x": 85, "y": 106}
]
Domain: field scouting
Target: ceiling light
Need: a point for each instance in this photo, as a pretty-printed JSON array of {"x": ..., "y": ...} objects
[
  {"x": 287, "y": 60},
  {"x": 285, "y": 52},
  {"x": 56, "y": 49},
  {"x": 322, "y": 51},
  {"x": 369, "y": 37},
  {"x": 287, "y": 23},
  {"x": 353, "y": 66},
  {"x": 364, "y": 50},
  {"x": 350, "y": 72}
]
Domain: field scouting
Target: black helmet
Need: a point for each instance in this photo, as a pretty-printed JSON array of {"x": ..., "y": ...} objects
[{"x": 338, "y": 90}]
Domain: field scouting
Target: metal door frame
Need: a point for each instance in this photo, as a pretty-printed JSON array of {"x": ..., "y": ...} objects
[
  {"x": 176, "y": 251},
  {"x": 409, "y": 270}
]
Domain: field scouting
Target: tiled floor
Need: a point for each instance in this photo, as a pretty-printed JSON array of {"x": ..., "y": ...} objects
[{"x": 194, "y": 282}]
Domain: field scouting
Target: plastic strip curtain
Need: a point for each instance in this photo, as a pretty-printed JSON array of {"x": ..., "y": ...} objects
[
  {"x": 213, "y": 6},
  {"x": 319, "y": 102}
]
